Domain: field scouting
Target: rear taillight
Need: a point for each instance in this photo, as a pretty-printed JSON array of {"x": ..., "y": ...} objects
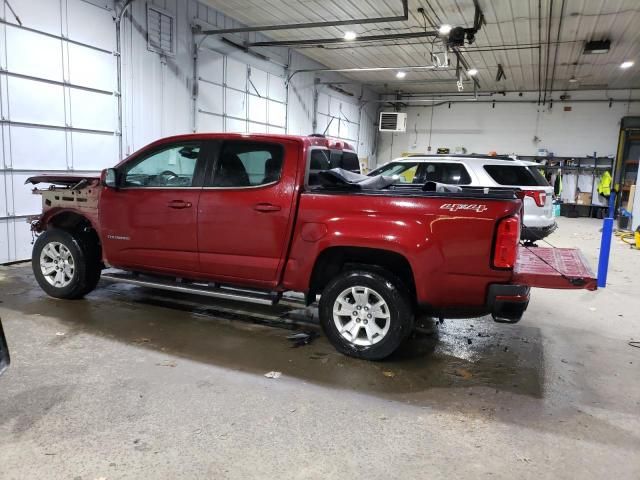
[
  {"x": 539, "y": 196},
  {"x": 506, "y": 244}
]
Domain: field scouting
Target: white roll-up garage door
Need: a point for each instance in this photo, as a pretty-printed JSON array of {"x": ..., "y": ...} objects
[
  {"x": 338, "y": 117},
  {"x": 58, "y": 103},
  {"x": 234, "y": 96}
]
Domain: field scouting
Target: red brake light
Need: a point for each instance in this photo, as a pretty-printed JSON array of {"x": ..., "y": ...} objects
[
  {"x": 539, "y": 196},
  {"x": 506, "y": 245}
]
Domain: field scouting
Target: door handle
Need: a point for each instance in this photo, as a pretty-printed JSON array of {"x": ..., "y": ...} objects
[
  {"x": 266, "y": 207},
  {"x": 179, "y": 204}
]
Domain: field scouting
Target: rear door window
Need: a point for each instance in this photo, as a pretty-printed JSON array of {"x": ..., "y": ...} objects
[
  {"x": 318, "y": 161},
  {"x": 440, "y": 172},
  {"x": 406, "y": 171},
  {"x": 248, "y": 164},
  {"x": 350, "y": 162},
  {"x": 517, "y": 175}
]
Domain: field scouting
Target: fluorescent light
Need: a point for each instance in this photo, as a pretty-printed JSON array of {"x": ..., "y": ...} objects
[
  {"x": 401, "y": 74},
  {"x": 573, "y": 80},
  {"x": 472, "y": 71},
  {"x": 627, "y": 64},
  {"x": 350, "y": 35},
  {"x": 444, "y": 29}
]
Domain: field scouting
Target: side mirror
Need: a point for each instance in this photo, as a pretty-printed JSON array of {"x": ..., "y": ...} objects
[
  {"x": 4, "y": 352},
  {"x": 111, "y": 178}
]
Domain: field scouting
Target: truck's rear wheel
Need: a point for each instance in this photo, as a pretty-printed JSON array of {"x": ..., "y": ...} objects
[
  {"x": 365, "y": 315},
  {"x": 65, "y": 265}
]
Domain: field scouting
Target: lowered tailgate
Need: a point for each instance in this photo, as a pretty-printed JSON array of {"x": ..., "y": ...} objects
[{"x": 561, "y": 268}]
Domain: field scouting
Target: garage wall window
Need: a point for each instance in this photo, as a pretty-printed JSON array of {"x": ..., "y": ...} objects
[{"x": 160, "y": 31}]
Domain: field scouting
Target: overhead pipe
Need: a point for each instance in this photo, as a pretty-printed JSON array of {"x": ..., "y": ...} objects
[
  {"x": 332, "y": 23},
  {"x": 546, "y": 70},
  {"x": 444, "y": 100},
  {"x": 325, "y": 41},
  {"x": 365, "y": 69},
  {"x": 555, "y": 57},
  {"x": 398, "y": 81},
  {"x": 539, "y": 51}
]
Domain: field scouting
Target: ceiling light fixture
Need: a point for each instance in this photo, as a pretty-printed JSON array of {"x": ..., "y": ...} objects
[
  {"x": 472, "y": 71},
  {"x": 573, "y": 80},
  {"x": 350, "y": 35},
  {"x": 627, "y": 64},
  {"x": 444, "y": 29},
  {"x": 401, "y": 74}
]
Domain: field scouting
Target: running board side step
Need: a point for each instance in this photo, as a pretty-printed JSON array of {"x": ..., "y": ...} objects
[{"x": 196, "y": 288}]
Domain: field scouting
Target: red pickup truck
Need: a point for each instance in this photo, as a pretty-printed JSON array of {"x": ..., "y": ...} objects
[{"x": 249, "y": 217}]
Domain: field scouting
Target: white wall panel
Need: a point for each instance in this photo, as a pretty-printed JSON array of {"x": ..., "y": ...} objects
[
  {"x": 22, "y": 238},
  {"x": 210, "y": 123},
  {"x": 277, "y": 88},
  {"x": 24, "y": 202},
  {"x": 4, "y": 242},
  {"x": 277, "y": 130},
  {"x": 92, "y": 68},
  {"x": 236, "y": 126},
  {"x": 211, "y": 66},
  {"x": 47, "y": 152},
  {"x": 235, "y": 103},
  {"x": 95, "y": 111},
  {"x": 33, "y": 54},
  {"x": 323, "y": 103},
  {"x": 258, "y": 84},
  {"x": 257, "y": 109},
  {"x": 277, "y": 114},
  {"x": 210, "y": 97},
  {"x": 43, "y": 15},
  {"x": 236, "y": 74},
  {"x": 4, "y": 178},
  {"x": 257, "y": 128},
  {"x": 90, "y": 24},
  {"x": 35, "y": 102},
  {"x": 92, "y": 151}
]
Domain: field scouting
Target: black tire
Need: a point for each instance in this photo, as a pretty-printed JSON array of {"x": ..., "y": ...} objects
[
  {"x": 86, "y": 262},
  {"x": 400, "y": 311}
]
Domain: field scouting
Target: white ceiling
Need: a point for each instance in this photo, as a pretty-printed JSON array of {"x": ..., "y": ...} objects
[{"x": 512, "y": 23}]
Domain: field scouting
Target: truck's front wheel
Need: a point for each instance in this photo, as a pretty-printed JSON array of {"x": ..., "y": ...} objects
[
  {"x": 65, "y": 265},
  {"x": 365, "y": 315}
]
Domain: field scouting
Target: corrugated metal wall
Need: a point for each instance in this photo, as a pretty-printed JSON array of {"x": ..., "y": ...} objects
[{"x": 58, "y": 83}]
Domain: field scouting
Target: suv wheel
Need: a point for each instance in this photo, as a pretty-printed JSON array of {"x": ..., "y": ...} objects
[
  {"x": 65, "y": 266},
  {"x": 365, "y": 315}
]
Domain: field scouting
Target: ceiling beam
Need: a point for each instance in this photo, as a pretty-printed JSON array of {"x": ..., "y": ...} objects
[{"x": 332, "y": 23}]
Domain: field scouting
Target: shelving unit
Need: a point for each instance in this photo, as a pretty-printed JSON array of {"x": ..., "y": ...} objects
[{"x": 592, "y": 165}]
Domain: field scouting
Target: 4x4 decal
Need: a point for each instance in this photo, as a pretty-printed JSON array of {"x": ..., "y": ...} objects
[{"x": 456, "y": 207}]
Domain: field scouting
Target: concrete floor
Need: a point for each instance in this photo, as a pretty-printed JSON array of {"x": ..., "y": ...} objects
[{"x": 134, "y": 383}]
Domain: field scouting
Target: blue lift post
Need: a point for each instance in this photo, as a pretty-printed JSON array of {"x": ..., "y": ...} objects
[{"x": 605, "y": 243}]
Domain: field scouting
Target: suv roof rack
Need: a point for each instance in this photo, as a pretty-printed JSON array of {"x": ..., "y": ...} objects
[{"x": 460, "y": 155}]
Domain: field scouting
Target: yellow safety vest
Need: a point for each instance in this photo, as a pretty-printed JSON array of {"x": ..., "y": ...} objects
[{"x": 604, "y": 187}]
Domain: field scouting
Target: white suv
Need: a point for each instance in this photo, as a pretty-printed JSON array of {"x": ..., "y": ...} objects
[{"x": 483, "y": 171}]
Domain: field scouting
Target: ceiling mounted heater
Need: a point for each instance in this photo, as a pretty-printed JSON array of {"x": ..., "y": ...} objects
[{"x": 393, "y": 122}]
